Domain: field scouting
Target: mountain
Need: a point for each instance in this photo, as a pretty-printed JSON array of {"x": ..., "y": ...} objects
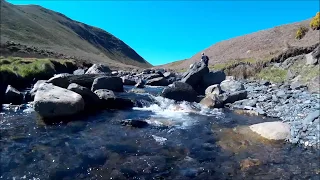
[
  {"x": 35, "y": 26},
  {"x": 262, "y": 45}
]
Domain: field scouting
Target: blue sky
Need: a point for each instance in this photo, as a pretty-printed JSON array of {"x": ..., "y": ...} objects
[{"x": 166, "y": 31}]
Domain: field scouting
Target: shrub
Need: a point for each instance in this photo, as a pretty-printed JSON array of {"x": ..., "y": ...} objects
[
  {"x": 315, "y": 22},
  {"x": 301, "y": 32},
  {"x": 272, "y": 74}
]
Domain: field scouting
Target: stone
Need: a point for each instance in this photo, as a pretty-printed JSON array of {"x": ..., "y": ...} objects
[
  {"x": 250, "y": 102},
  {"x": 213, "y": 89},
  {"x": 195, "y": 75},
  {"x": 13, "y": 96},
  {"x": 232, "y": 97},
  {"x": 134, "y": 123},
  {"x": 311, "y": 117},
  {"x": 90, "y": 99},
  {"x": 140, "y": 84},
  {"x": 246, "y": 164},
  {"x": 272, "y": 130},
  {"x": 180, "y": 91},
  {"x": 52, "y": 101},
  {"x": 168, "y": 74},
  {"x": 213, "y": 77},
  {"x": 160, "y": 81},
  {"x": 98, "y": 69},
  {"x": 310, "y": 60},
  {"x": 128, "y": 81},
  {"x": 36, "y": 86},
  {"x": 60, "y": 80},
  {"x": 314, "y": 85},
  {"x": 211, "y": 101},
  {"x": 79, "y": 72},
  {"x": 110, "y": 101},
  {"x": 153, "y": 76},
  {"x": 231, "y": 86},
  {"x": 107, "y": 82}
]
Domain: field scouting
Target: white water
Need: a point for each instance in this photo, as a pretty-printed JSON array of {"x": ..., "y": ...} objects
[{"x": 169, "y": 113}]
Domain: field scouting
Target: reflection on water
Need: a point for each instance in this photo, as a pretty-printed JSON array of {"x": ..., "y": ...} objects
[{"x": 184, "y": 141}]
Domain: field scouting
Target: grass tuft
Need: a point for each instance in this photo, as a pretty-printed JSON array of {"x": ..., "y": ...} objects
[{"x": 272, "y": 74}]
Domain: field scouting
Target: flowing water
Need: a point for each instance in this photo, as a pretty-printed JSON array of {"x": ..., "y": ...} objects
[{"x": 183, "y": 141}]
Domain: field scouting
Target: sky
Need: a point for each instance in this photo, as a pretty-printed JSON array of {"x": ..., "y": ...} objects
[{"x": 167, "y": 31}]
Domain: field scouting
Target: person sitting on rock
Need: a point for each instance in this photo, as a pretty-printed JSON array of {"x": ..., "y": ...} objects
[{"x": 205, "y": 59}]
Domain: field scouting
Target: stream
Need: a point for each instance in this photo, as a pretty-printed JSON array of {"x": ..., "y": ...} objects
[{"x": 182, "y": 141}]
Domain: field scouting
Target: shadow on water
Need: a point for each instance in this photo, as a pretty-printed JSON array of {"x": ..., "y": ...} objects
[{"x": 186, "y": 145}]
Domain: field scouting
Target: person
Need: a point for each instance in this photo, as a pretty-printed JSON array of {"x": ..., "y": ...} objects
[{"x": 205, "y": 59}]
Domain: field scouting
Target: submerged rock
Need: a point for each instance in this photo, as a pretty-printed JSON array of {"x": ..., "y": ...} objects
[
  {"x": 134, "y": 123},
  {"x": 180, "y": 91},
  {"x": 272, "y": 130},
  {"x": 53, "y": 101},
  {"x": 98, "y": 69},
  {"x": 248, "y": 163},
  {"x": 13, "y": 96},
  {"x": 111, "y": 83}
]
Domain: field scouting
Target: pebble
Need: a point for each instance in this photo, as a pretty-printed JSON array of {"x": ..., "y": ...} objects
[{"x": 299, "y": 108}]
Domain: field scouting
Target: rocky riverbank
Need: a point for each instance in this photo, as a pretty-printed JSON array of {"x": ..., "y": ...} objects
[{"x": 101, "y": 88}]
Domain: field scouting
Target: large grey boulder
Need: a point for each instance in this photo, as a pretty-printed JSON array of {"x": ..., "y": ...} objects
[
  {"x": 231, "y": 86},
  {"x": 13, "y": 96},
  {"x": 160, "y": 81},
  {"x": 231, "y": 97},
  {"x": 98, "y": 69},
  {"x": 194, "y": 76},
  {"x": 180, "y": 91},
  {"x": 60, "y": 80},
  {"x": 79, "y": 72},
  {"x": 128, "y": 81},
  {"x": 211, "y": 101},
  {"x": 311, "y": 60},
  {"x": 213, "y": 77},
  {"x": 52, "y": 101},
  {"x": 272, "y": 130},
  {"x": 90, "y": 99},
  {"x": 153, "y": 76},
  {"x": 213, "y": 89},
  {"x": 110, "y": 101},
  {"x": 168, "y": 74},
  {"x": 111, "y": 83},
  {"x": 36, "y": 86}
]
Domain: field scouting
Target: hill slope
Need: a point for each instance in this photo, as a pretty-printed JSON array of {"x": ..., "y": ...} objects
[
  {"x": 261, "y": 45},
  {"x": 36, "y": 26}
]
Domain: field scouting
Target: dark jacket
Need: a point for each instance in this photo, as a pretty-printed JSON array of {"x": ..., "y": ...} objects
[{"x": 205, "y": 59}]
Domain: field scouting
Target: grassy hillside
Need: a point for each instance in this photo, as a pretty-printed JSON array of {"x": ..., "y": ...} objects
[
  {"x": 36, "y": 26},
  {"x": 259, "y": 46}
]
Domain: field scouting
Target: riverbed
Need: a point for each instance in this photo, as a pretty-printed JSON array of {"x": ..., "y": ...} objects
[{"x": 182, "y": 141}]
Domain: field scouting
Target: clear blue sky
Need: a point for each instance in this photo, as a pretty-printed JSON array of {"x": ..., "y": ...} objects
[{"x": 166, "y": 31}]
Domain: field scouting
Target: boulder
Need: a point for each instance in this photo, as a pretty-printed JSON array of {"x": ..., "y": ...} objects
[
  {"x": 110, "y": 101},
  {"x": 316, "y": 53},
  {"x": 195, "y": 75},
  {"x": 310, "y": 60},
  {"x": 180, "y": 91},
  {"x": 128, "y": 81},
  {"x": 232, "y": 97},
  {"x": 160, "y": 81},
  {"x": 314, "y": 85},
  {"x": 98, "y": 69},
  {"x": 52, "y": 101},
  {"x": 90, "y": 98},
  {"x": 211, "y": 101},
  {"x": 213, "y": 77},
  {"x": 140, "y": 84},
  {"x": 272, "y": 130},
  {"x": 213, "y": 89},
  {"x": 111, "y": 83},
  {"x": 168, "y": 74},
  {"x": 79, "y": 72},
  {"x": 231, "y": 86},
  {"x": 60, "y": 80},
  {"x": 153, "y": 76},
  {"x": 13, "y": 96},
  {"x": 36, "y": 86}
]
